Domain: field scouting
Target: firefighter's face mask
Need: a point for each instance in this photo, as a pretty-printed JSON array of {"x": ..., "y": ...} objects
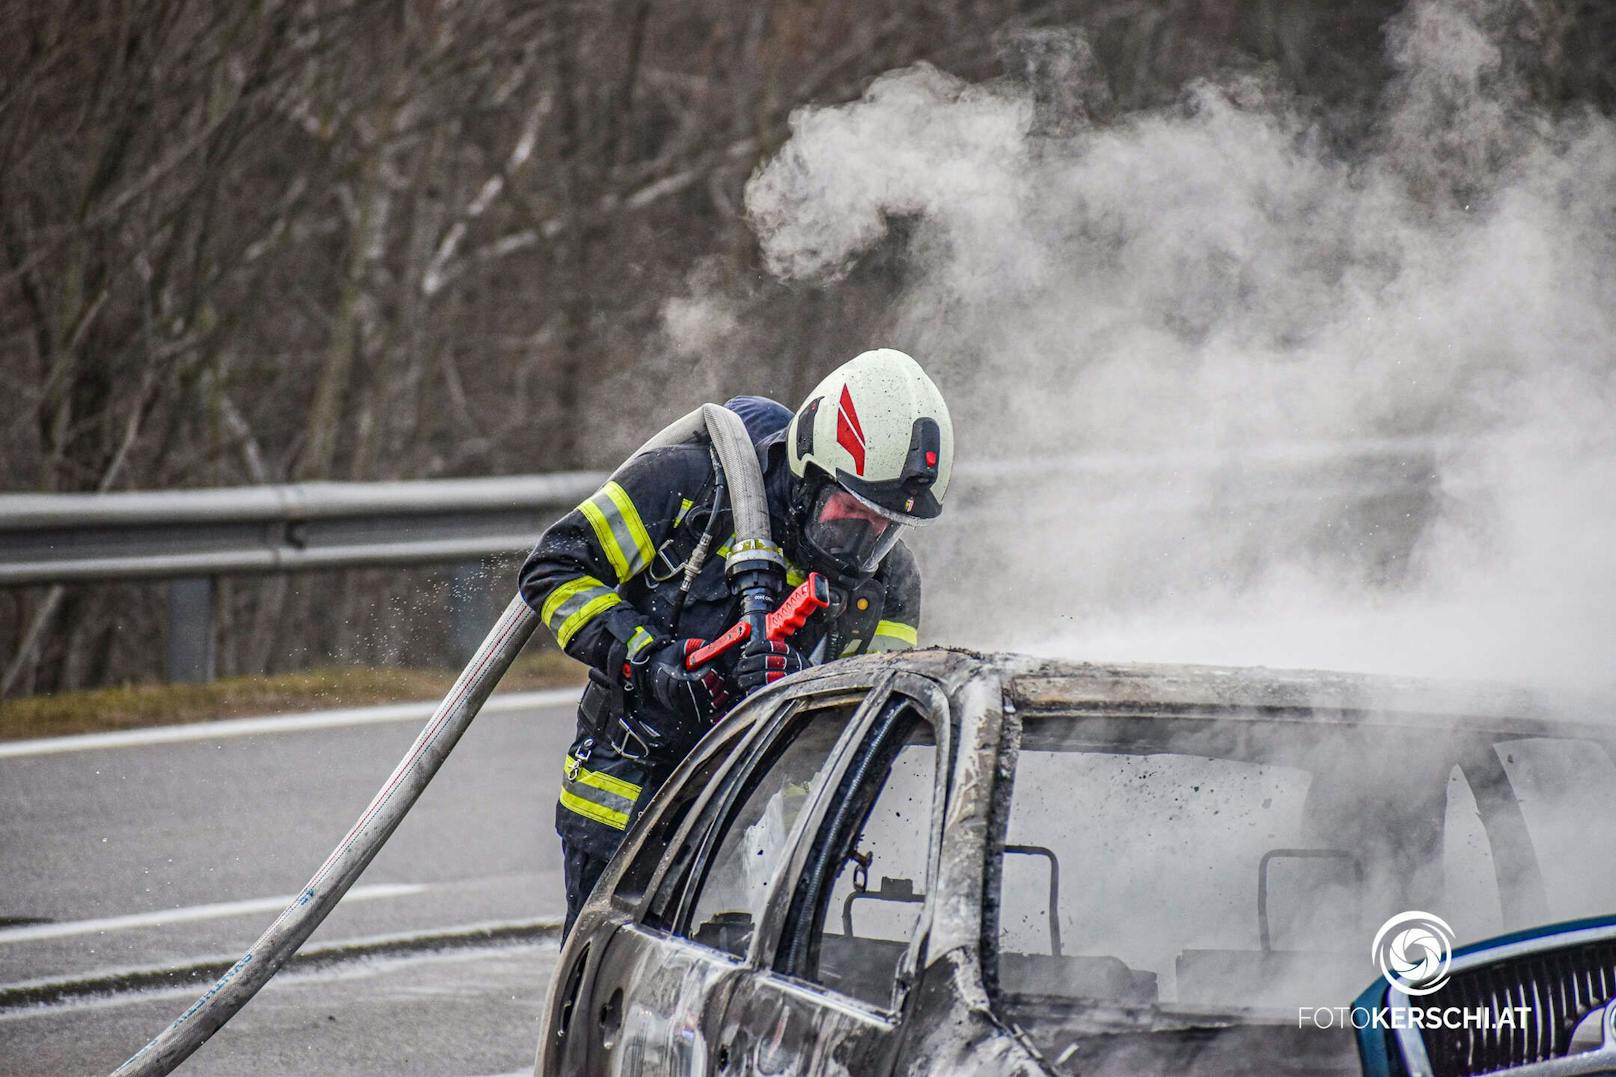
[{"x": 844, "y": 531}]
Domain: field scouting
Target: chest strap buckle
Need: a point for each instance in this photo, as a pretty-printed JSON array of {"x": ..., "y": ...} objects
[{"x": 662, "y": 569}]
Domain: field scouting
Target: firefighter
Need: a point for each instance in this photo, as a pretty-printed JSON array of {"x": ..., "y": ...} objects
[{"x": 866, "y": 456}]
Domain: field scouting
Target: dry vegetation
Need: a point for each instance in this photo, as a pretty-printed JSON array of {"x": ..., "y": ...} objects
[{"x": 137, "y": 706}]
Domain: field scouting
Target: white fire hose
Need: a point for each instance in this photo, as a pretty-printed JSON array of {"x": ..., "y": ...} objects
[
  {"x": 753, "y": 549},
  {"x": 351, "y": 856}
]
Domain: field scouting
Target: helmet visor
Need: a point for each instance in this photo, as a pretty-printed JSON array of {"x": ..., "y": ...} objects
[{"x": 848, "y": 532}]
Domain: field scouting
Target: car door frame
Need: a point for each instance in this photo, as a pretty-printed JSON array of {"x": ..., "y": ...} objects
[
  {"x": 860, "y": 1034},
  {"x": 580, "y": 994},
  {"x": 615, "y": 920},
  {"x": 737, "y": 784}
]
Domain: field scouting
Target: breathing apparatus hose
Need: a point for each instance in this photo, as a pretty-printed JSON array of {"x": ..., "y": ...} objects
[
  {"x": 698, "y": 556},
  {"x": 351, "y": 856}
]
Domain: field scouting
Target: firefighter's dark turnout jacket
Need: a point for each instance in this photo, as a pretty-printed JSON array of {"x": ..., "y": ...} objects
[{"x": 605, "y": 573}]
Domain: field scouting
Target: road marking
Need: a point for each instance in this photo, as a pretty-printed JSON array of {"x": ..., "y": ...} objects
[
  {"x": 365, "y": 956},
  {"x": 37, "y": 932},
  {"x": 278, "y": 723}
]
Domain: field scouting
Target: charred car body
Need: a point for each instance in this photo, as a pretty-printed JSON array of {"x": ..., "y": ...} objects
[{"x": 941, "y": 861}]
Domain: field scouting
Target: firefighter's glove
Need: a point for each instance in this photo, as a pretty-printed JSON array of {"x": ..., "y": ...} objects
[
  {"x": 697, "y": 694},
  {"x": 766, "y": 662}
]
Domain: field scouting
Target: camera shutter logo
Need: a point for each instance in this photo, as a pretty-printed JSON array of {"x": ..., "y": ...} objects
[{"x": 1414, "y": 950}]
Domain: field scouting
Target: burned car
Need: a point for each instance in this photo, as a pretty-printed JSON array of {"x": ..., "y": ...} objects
[{"x": 946, "y": 862}]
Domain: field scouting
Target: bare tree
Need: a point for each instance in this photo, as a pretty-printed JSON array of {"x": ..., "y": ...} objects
[{"x": 310, "y": 239}]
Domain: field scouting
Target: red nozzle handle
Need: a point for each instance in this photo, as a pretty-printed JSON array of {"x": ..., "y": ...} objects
[
  {"x": 702, "y": 655},
  {"x": 812, "y": 594}
]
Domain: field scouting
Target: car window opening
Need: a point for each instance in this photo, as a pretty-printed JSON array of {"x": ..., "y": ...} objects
[
  {"x": 652, "y": 849},
  {"x": 1177, "y": 870},
  {"x": 859, "y": 900},
  {"x": 728, "y": 900}
]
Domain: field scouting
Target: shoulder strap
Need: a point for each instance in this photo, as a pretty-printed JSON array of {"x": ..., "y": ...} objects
[{"x": 660, "y": 583}]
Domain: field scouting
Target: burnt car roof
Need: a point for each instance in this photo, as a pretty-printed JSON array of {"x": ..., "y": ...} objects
[{"x": 1054, "y": 686}]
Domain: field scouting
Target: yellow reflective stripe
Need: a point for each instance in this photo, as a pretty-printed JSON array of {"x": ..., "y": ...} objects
[
  {"x": 574, "y": 604},
  {"x": 636, "y": 529},
  {"x": 597, "y": 796},
  {"x": 571, "y": 625},
  {"x": 896, "y": 630},
  {"x": 617, "y": 820},
  {"x": 607, "y": 541},
  {"x": 564, "y": 592},
  {"x": 639, "y": 641},
  {"x": 619, "y": 530},
  {"x": 852, "y": 645},
  {"x": 685, "y": 505},
  {"x": 627, "y": 790}
]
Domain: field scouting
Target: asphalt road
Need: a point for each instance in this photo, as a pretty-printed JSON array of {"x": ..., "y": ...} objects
[
  {"x": 466, "y": 1013},
  {"x": 164, "y": 854}
]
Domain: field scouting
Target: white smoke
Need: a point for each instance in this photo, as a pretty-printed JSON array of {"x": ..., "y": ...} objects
[{"x": 1322, "y": 409}]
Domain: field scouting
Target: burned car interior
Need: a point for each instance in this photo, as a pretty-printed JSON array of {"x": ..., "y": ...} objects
[
  {"x": 717, "y": 892},
  {"x": 1276, "y": 841}
]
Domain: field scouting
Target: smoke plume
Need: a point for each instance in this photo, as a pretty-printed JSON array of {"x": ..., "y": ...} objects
[{"x": 1248, "y": 397}]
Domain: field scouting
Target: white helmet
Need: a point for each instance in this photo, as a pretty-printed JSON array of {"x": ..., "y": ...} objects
[{"x": 874, "y": 447}]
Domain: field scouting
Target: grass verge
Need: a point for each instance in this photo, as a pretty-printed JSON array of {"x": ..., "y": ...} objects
[{"x": 139, "y": 705}]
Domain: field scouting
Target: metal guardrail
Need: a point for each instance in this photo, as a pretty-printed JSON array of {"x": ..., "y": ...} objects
[
  {"x": 94, "y": 538},
  {"x": 188, "y": 537}
]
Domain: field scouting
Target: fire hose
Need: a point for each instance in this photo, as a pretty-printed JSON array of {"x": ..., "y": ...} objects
[
  {"x": 364, "y": 840},
  {"x": 750, "y": 567}
]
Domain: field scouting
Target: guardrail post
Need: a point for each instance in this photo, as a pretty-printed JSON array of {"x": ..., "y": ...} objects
[{"x": 190, "y": 629}]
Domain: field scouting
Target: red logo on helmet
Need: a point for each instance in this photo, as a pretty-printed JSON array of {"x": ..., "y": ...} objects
[{"x": 849, "y": 434}]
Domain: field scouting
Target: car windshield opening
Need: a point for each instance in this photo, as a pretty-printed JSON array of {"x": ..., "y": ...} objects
[{"x": 1235, "y": 866}]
